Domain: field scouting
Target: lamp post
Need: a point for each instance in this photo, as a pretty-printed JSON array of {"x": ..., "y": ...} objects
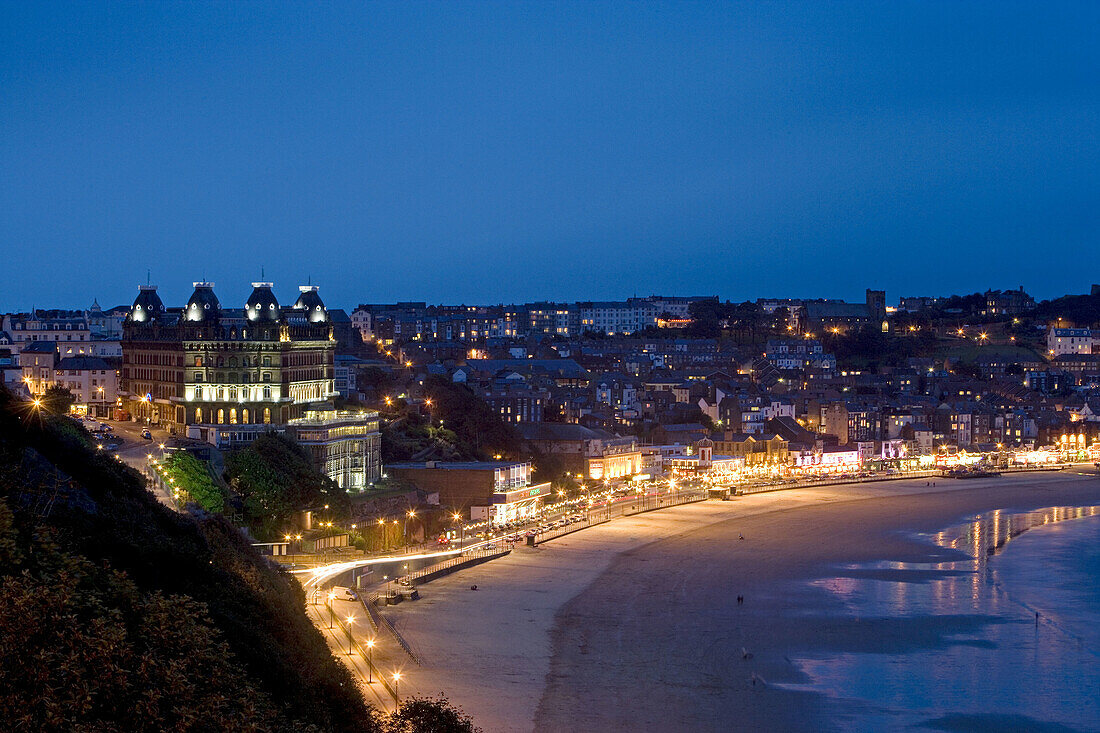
[
  {"x": 370, "y": 660},
  {"x": 331, "y": 613},
  {"x": 396, "y": 695},
  {"x": 351, "y": 620}
]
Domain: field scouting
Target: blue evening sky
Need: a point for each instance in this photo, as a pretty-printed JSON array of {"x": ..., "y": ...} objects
[{"x": 499, "y": 152}]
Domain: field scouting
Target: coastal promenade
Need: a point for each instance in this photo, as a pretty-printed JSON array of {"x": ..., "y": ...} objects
[{"x": 642, "y": 608}]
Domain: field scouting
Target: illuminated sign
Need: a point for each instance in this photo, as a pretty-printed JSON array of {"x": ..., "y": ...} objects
[{"x": 524, "y": 494}]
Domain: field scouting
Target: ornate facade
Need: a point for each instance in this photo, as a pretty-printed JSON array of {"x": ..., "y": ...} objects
[{"x": 203, "y": 364}]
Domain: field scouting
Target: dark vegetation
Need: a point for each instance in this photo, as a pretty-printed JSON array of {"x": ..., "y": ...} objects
[
  {"x": 273, "y": 478},
  {"x": 119, "y": 614},
  {"x": 1083, "y": 311},
  {"x": 479, "y": 432},
  {"x": 459, "y": 426}
]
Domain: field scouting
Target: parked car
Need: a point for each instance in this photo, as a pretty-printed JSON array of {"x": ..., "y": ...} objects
[
  {"x": 146, "y": 434},
  {"x": 344, "y": 593}
]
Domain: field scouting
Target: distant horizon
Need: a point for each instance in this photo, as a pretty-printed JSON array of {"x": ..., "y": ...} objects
[{"x": 235, "y": 294}]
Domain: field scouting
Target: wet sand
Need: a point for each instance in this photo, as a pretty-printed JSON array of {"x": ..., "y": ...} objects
[{"x": 634, "y": 626}]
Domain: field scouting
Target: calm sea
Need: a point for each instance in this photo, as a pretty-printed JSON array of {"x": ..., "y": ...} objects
[{"x": 960, "y": 646}]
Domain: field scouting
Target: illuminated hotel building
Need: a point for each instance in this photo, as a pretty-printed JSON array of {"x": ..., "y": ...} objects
[{"x": 203, "y": 364}]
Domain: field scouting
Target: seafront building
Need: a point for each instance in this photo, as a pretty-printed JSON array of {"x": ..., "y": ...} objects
[
  {"x": 204, "y": 364},
  {"x": 225, "y": 376},
  {"x": 496, "y": 491},
  {"x": 345, "y": 445}
]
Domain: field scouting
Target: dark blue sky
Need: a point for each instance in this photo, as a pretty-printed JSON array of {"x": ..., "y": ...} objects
[{"x": 479, "y": 152}]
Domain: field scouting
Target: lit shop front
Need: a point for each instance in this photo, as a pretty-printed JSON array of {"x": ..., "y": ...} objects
[{"x": 510, "y": 506}]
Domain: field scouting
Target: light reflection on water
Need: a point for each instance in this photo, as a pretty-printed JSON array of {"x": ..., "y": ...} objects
[{"x": 957, "y": 636}]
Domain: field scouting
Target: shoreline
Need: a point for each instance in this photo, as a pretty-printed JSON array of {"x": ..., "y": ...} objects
[{"x": 564, "y": 636}]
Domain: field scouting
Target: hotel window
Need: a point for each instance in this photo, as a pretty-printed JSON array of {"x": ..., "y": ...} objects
[
  {"x": 233, "y": 416},
  {"x": 221, "y": 417},
  {"x": 267, "y": 416},
  {"x": 267, "y": 393},
  {"x": 198, "y": 414},
  {"x": 198, "y": 393}
]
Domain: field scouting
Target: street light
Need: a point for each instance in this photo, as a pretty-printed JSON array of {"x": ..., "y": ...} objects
[
  {"x": 462, "y": 530},
  {"x": 351, "y": 620},
  {"x": 396, "y": 679},
  {"x": 370, "y": 660},
  {"x": 331, "y": 613}
]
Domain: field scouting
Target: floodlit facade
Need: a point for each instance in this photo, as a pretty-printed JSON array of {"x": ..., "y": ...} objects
[
  {"x": 208, "y": 365},
  {"x": 346, "y": 446}
]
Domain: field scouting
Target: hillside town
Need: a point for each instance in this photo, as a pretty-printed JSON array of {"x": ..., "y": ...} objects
[{"x": 466, "y": 415}]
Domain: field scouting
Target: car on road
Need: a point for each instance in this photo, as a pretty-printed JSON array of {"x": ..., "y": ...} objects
[
  {"x": 343, "y": 593},
  {"x": 146, "y": 434}
]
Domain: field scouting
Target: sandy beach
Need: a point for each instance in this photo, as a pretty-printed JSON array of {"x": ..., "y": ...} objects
[{"x": 633, "y": 625}]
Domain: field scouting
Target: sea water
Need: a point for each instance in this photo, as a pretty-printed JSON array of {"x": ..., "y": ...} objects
[{"x": 1002, "y": 636}]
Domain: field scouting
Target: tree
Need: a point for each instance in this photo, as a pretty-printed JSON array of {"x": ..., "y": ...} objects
[
  {"x": 705, "y": 319},
  {"x": 275, "y": 477},
  {"x": 192, "y": 476},
  {"x": 428, "y": 715},
  {"x": 58, "y": 400},
  {"x": 478, "y": 430}
]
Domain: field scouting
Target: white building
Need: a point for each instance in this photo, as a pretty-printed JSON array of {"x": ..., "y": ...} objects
[
  {"x": 1072, "y": 341},
  {"x": 58, "y": 327},
  {"x": 91, "y": 380},
  {"x": 361, "y": 322},
  {"x": 612, "y": 317}
]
